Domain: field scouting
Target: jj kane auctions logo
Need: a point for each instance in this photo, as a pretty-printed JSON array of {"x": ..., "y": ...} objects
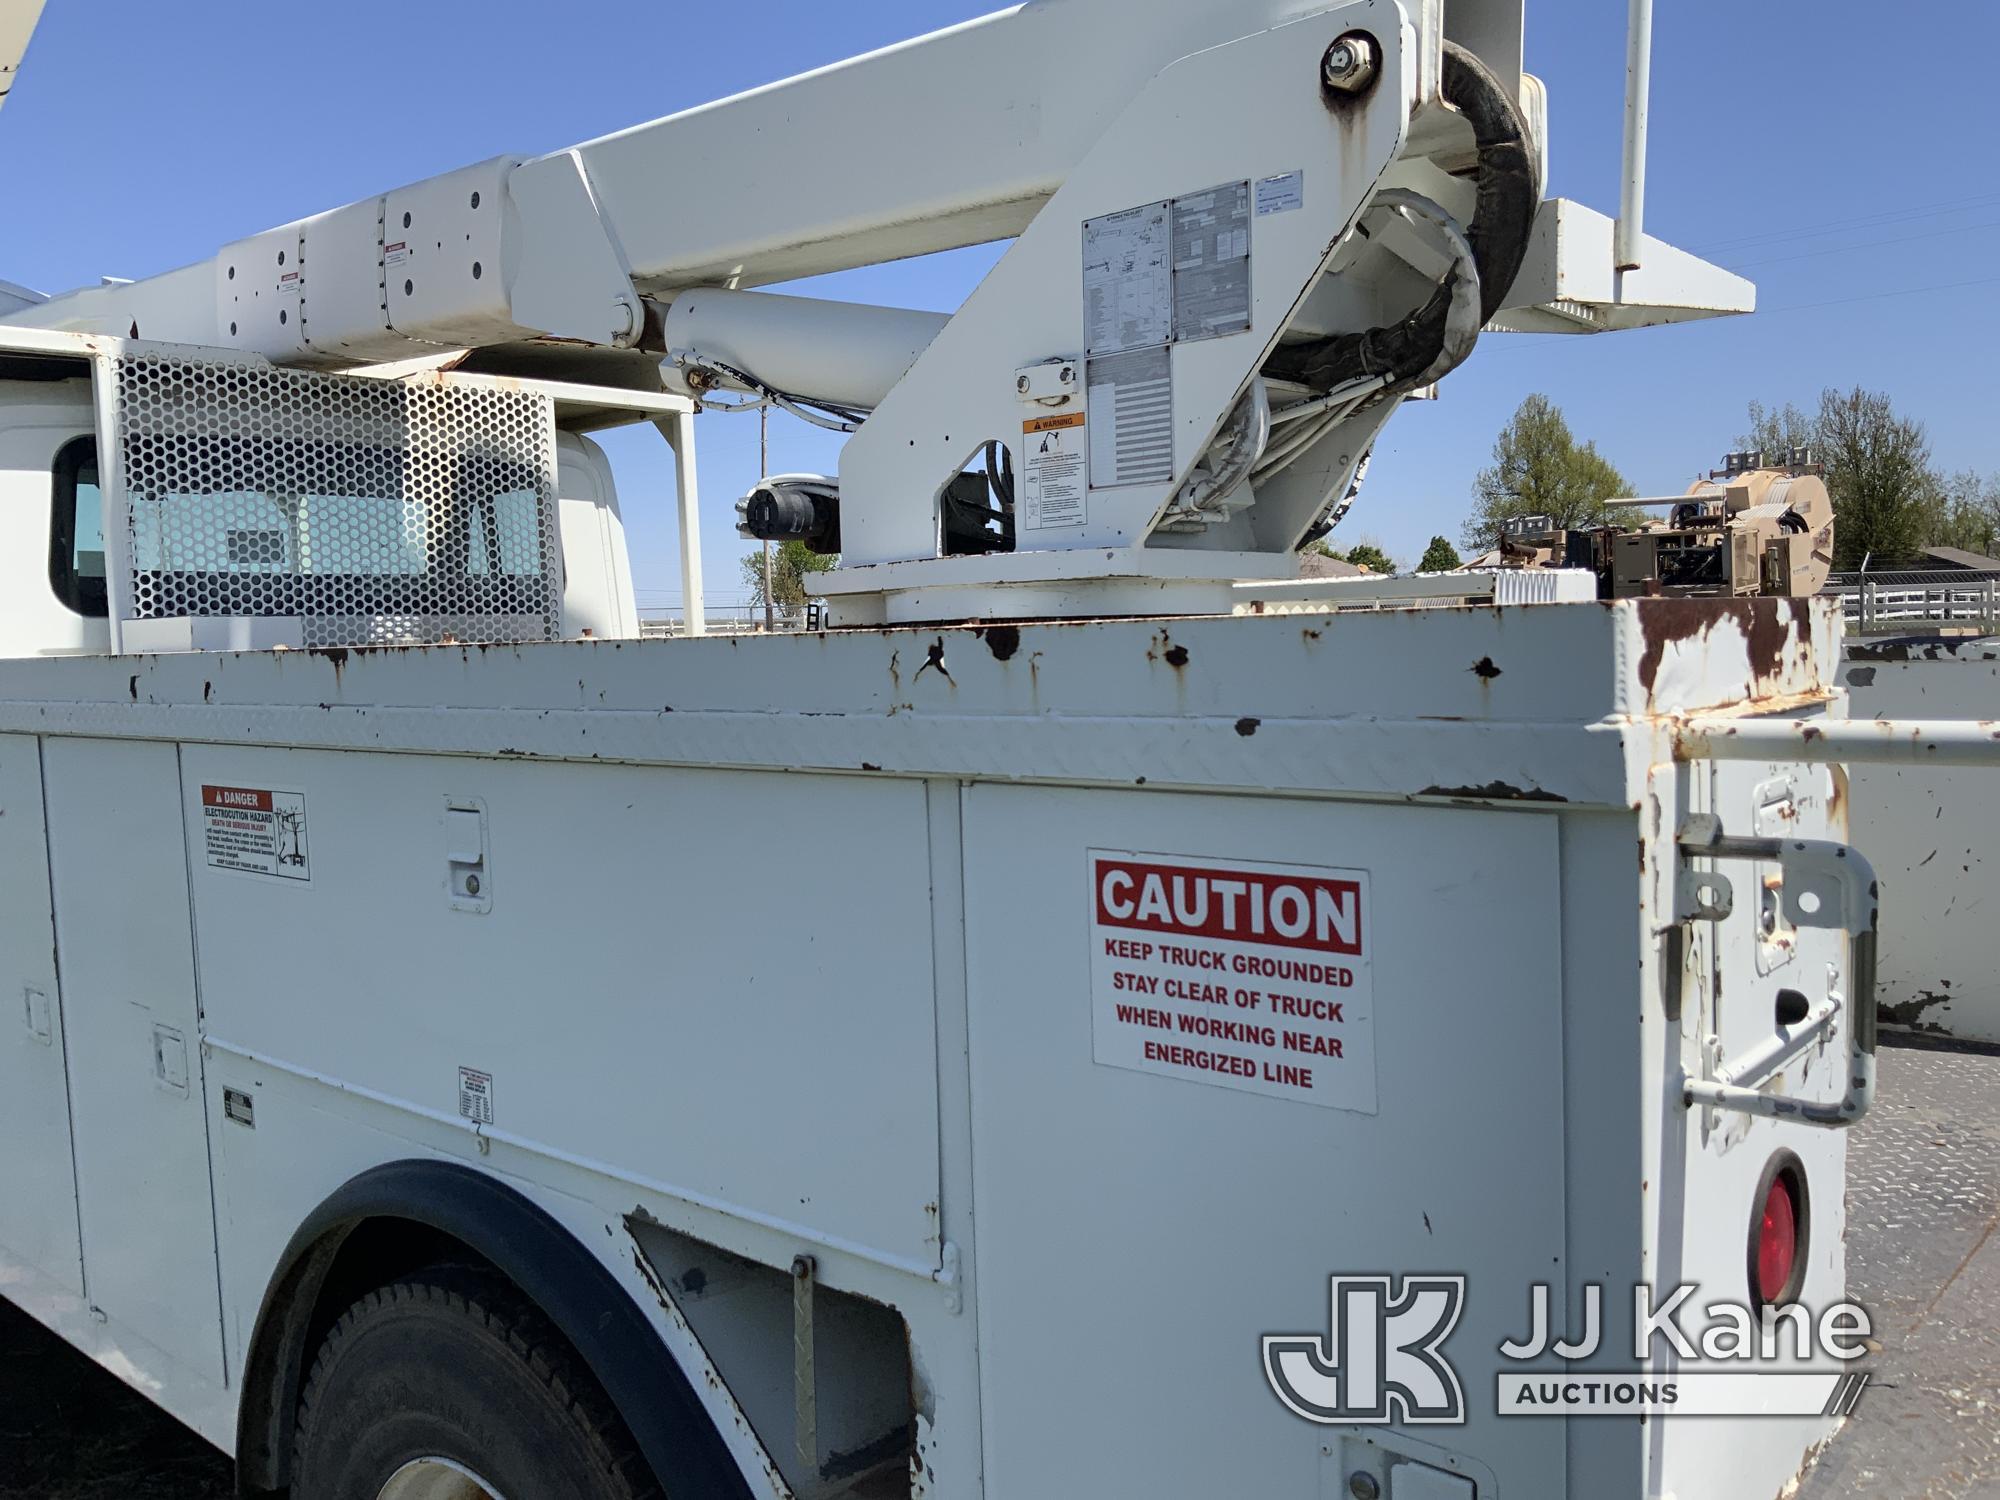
[{"x": 1382, "y": 1358}]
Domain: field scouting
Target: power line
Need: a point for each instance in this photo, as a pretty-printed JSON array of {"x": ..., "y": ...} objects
[
  {"x": 1908, "y": 239},
  {"x": 1908, "y": 291},
  {"x": 1525, "y": 343},
  {"x": 1840, "y": 226}
]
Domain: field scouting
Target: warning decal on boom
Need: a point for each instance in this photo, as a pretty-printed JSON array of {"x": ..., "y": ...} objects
[
  {"x": 255, "y": 832},
  {"x": 1056, "y": 459},
  {"x": 1247, "y": 976}
]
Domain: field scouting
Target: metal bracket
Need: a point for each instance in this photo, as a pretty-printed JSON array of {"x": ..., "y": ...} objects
[
  {"x": 805, "y": 1385},
  {"x": 1826, "y": 885}
]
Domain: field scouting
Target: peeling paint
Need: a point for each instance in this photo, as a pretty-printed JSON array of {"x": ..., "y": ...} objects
[{"x": 1493, "y": 791}]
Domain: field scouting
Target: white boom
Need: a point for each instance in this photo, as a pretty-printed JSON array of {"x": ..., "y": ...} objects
[
  {"x": 17, "y": 25},
  {"x": 1243, "y": 233}
]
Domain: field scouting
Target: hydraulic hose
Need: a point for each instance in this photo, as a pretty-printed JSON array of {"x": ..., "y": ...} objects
[{"x": 1509, "y": 188}]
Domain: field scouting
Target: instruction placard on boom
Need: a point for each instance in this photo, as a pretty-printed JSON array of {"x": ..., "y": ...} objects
[{"x": 1246, "y": 976}]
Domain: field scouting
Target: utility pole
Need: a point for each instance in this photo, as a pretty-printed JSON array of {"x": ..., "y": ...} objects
[{"x": 763, "y": 473}]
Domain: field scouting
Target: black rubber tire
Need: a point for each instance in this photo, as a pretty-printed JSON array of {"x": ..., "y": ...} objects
[{"x": 457, "y": 1364}]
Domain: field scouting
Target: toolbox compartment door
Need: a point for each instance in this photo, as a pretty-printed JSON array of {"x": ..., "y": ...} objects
[{"x": 1140, "y": 1232}]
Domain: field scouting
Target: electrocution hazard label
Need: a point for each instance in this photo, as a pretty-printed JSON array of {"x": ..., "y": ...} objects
[
  {"x": 1246, "y": 976},
  {"x": 1058, "y": 473},
  {"x": 256, "y": 832}
]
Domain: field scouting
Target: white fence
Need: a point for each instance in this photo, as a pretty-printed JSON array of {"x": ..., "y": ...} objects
[
  {"x": 731, "y": 619},
  {"x": 1890, "y": 601}
]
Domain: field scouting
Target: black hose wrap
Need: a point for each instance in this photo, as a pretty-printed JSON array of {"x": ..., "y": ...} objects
[{"x": 1509, "y": 186}]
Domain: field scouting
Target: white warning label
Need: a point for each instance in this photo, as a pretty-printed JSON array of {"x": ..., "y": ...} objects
[
  {"x": 1247, "y": 976},
  {"x": 1212, "y": 262},
  {"x": 1058, "y": 471},
  {"x": 475, "y": 1095},
  {"x": 1128, "y": 279},
  {"x": 255, "y": 831}
]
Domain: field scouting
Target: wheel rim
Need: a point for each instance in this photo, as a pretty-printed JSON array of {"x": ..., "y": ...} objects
[{"x": 436, "y": 1479}]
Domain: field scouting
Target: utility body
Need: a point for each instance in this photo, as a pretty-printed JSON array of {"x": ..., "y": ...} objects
[{"x": 426, "y": 1082}]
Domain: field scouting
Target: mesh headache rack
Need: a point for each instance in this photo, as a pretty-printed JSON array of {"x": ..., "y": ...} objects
[{"x": 260, "y": 507}]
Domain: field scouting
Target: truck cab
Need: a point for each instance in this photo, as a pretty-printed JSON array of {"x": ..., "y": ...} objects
[{"x": 228, "y": 518}]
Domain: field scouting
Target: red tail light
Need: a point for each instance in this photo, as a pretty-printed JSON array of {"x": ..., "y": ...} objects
[{"x": 1778, "y": 1232}]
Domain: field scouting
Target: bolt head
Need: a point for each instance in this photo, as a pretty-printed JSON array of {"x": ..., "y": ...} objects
[
  {"x": 1351, "y": 63},
  {"x": 1364, "y": 1486},
  {"x": 1021, "y": 385}
]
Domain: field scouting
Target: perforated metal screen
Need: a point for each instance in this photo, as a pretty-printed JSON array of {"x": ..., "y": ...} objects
[{"x": 374, "y": 512}]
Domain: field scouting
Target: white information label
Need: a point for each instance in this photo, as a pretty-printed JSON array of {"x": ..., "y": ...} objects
[
  {"x": 255, "y": 831},
  {"x": 1245, "y": 976},
  {"x": 475, "y": 1095},
  {"x": 1212, "y": 262},
  {"x": 1130, "y": 398},
  {"x": 1128, "y": 279},
  {"x": 396, "y": 254},
  {"x": 1280, "y": 195},
  {"x": 1058, "y": 471}
]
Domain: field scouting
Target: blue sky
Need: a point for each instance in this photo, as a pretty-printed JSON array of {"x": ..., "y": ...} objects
[{"x": 1834, "y": 160}]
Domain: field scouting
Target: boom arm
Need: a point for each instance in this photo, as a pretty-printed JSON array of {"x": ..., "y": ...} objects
[{"x": 1244, "y": 231}]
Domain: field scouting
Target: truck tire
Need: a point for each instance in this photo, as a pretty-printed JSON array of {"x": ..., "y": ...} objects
[{"x": 450, "y": 1385}]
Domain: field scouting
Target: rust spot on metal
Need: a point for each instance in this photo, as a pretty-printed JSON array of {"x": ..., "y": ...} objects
[
  {"x": 1910, "y": 1014},
  {"x": 1002, "y": 640},
  {"x": 207, "y": 689},
  {"x": 1177, "y": 657},
  {"x": 1770, "y": 626},
  {"x": 1811, "y": 732},
  {"x": 934, "y": 657},
  {"x": 1247, "y": 727},
  {"x": 867, "y": 766},
  {"x": 1493, "y": 791},
  {"x": 1485, "y": 669},
  {"x": 133, "y": 687},
  {"x": 1309, "y": 634},
  {"x": 1861, "y": 676},
  {"x": 336, "y": 655}
]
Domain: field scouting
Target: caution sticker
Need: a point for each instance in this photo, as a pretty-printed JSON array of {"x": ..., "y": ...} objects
[
  {"x": 255, "y": 831},
  {"x": 1057, "y": 462},
  {"x": 1245, "y": 976}
]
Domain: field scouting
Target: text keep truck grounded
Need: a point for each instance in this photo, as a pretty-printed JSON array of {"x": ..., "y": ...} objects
[{"x": 1250, "y": 976}]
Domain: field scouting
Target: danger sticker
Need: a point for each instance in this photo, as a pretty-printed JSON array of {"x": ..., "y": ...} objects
[
  {"x": 1058, "y": 471},
  {"x": 255, "y": 831},
  {"x": 1246, "y": 976}
]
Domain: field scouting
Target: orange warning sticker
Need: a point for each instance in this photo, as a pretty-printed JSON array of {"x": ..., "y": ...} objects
[{"x": 1056, "y": 455}]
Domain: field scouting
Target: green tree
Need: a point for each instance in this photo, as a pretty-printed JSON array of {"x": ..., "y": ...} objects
[
  {"x": 1540, "y": 469},
  {"x": 1439, "y": 557},
  {"x": 1365, "y": 553},
  {"x": 1776, "y": 433},
  {"x": 1889, "y": 502},
  {"x": 1373, "y": 558},
  {"x": 792, "y": 564},
  {"x": 1968, "y": 513}
]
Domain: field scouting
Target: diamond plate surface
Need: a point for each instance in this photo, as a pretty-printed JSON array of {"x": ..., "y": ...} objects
[
  {"x": 1922, "y": 1255},
  {"x": 375, "y": 512}
]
